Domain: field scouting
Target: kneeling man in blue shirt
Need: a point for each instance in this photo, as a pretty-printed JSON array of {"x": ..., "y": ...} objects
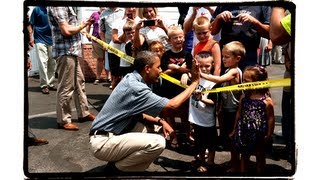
[{"x": 122, "y": 131}]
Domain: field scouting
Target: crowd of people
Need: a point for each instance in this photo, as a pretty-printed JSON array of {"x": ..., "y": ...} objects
[{"x": 211, "y": 47}]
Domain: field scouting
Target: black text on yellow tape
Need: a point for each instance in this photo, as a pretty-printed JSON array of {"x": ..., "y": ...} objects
[{"x": 253, "y": 85}]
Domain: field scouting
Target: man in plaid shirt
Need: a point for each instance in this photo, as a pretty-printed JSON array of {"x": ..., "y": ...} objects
[{"x": 66, "y": 50}]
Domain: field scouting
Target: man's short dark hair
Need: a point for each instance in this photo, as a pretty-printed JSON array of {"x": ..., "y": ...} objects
[{"x": 144, "y": 58}]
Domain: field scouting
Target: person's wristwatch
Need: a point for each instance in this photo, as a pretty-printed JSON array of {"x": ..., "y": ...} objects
[{"x": 160, "y": 119}]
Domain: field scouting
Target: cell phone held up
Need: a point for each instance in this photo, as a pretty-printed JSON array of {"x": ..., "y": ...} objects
[
  {"x": 235, "y": 21},
  {"x": 130, "y": 16},
  {"x": 234, "y": 18},
  {"x": 149, "y": 22}
]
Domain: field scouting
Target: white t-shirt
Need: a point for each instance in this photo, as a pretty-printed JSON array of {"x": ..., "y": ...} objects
[
  {"x": 200, "y": 113},
  {"x": 124, "y": 63}
]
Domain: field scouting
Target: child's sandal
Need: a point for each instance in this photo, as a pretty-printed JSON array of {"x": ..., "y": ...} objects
[{"x": 202, "y": 169}]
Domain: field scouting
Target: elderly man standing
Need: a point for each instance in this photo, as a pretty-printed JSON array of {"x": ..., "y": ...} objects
[{"x": 71, "y": 82}]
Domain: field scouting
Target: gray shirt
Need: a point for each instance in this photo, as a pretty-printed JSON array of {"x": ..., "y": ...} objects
[
  {"x": 127, "y": 102},
  {"x": 230, "y": 99}
]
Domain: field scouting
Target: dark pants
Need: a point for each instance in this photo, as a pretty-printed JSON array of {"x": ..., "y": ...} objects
[
  {"x": 114, "y": 62},
  {"x": 287, "y": 120},
  {"x": 227, "y": 126},
  {"x": 204, "y": 137}
]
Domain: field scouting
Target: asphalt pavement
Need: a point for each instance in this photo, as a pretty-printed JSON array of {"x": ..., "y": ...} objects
[{"x": 68, "y": 154}]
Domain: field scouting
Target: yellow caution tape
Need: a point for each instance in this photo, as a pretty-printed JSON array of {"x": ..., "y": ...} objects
[
  {"x": 239, "y": 87},
  {"x": 253, "y": 85},
  {"x": 172, "y": 80},
  {"x": 110, "y": 48}
]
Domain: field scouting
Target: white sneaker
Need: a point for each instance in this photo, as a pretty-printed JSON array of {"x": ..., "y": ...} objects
[{"x": 96, "y": 82}]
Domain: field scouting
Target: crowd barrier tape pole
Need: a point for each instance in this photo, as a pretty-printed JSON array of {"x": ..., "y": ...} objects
[{"x": 238, "y": 87}]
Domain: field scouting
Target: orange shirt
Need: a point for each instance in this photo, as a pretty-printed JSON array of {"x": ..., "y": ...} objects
[{"x": 204, "y": 46}]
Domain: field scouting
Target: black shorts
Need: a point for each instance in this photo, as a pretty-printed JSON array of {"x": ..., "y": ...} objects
[
  {"x": 125, "y": 70},
  {"x": 204, "y": 137},
  {"x": 114, "y": 62}
]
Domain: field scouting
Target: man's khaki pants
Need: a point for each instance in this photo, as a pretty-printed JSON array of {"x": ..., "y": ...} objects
[
  {"x": 131, "y": 152},
  {"x": 71, "y": 84}
]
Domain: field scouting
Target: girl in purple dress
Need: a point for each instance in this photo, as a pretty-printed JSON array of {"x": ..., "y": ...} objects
[{"x": 254, "y": 123}]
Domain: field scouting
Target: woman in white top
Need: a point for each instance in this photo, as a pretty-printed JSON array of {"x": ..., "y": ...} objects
[{"x": 153, "y": 30}]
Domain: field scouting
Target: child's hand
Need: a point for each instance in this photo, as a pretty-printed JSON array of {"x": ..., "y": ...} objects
[
  {"x": 197, "y": 94},
  {"x": 195, "y": 10},
  {"x": 184, "y": 65},
  {"x": 122, "y": 39},
  {"x": 173, "y": 67},
  {"x": 184, "y": 79},
  {"x": 201, "y": 74}
]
